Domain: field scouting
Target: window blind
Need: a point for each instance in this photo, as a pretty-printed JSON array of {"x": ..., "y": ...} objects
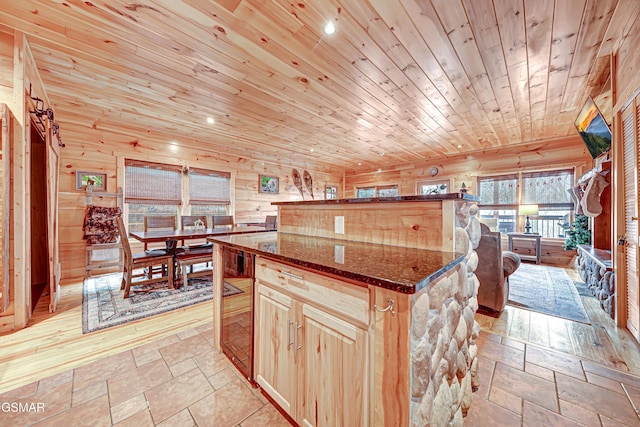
[
  {"x": 208, "y": 187},
  {"x": 548, "y": 189},
  {"x": 498, "y": 191},
  {"x": 152, "y": 183}
]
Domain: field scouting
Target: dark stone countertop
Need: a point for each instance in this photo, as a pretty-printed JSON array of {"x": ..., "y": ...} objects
[
  {"x": 401, "y": 269},
  {"x": 392, "y": 199}
]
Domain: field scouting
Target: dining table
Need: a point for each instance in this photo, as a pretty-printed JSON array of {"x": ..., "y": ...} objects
[{"x": 171, "y": 237}]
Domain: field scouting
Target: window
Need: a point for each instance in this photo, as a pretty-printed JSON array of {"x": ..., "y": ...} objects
[
  {"x": 432, "y": 187},
  {"x": 500, "y": 197},
  {"x": 377, "y": 191},
  {"x": 151, "y": 188},
  {"x": 209, "y": 192},
  {"x": 156, "y": 189}
]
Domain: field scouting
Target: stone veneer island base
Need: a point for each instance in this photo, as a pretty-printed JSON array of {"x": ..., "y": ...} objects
[{"x": 418, "y": 335}]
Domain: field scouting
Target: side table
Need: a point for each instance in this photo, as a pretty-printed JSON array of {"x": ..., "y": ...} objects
[{"x": 524, "y": 236}]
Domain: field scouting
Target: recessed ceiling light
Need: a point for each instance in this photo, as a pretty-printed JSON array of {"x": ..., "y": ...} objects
[
  {"x": 311, "y": 149},
  {"x": 359, "y": 163},
  {"x": 210, "y": 120},
  {"x": 329, "y": 28},
  {"x": 459, "y": 145}
]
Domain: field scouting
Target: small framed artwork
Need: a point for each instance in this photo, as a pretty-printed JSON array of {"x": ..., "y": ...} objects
[
  {"x": 97, "y": 180},
  {"x": 268, "y": 184}
]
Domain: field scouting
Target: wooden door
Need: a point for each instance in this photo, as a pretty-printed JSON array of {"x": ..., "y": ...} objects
[
  {"x": 5, "y": 149},
  {"x": 630, "y": 131},
  {"x": 53, "y": 173},
  {"x": 274, "y": 362},
  {"x": 333, "y": 358}
]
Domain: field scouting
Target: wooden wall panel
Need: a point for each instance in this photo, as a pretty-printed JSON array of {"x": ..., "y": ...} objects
[
  {"x": 97, "y": 151},
  {"x": 551, "y": 154},
  {"x": 628, "y": 67},
  {"x": 418, "y": 224}
]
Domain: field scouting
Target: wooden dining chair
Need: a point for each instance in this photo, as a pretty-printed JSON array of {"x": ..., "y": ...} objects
[
  {"x": 220, "y": 220},
  {"x": 158, "y": 222},
  {"x": 189, "y": 221},
  {"x": 271, "y": 222},
  {"x": 141, "y": 261},
  {"x": 193, "y": 254}
]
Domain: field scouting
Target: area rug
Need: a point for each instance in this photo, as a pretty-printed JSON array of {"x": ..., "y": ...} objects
[
  {"x": 547, "y": 290},
  {"x": 103, "y": 305}
]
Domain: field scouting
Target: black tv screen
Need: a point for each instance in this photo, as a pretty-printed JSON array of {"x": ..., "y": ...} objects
[{"x": 593, "y": 129}]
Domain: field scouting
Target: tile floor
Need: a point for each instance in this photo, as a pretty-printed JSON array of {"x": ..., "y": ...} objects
[{"x": 179, "y": 381}]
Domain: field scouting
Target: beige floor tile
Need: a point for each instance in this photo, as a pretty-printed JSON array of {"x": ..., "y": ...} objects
[
  {"x": 228, "y": 406},
  {"x": 506, "y": 400},
  {"x": 182, "y": 367},
  {"x": 526, "y": 386},
  {"x": 486, "y": 368},
  {"x": 102, "y": 369},
  {"x": 55, "y": 380},
  {"x": 539, "y": 371},
  {"x": 21, "y": 392},
  {"x": 607, "y": 383},
  {"x": 513, "y": 343},
  {"x": 47, "y": 403},
  {"x": 181, "y": 419},
  {"x": 596, "y": 398},
  {"x": 266, "y": 416},
  {"x": 556, "y": 361},
  {"x": 613, "y": 374},
  {"x": 141, "y": 419},
  {"x": 184, "y": 349},
  {"x": 537, "y": 416},
  {"x": 483, "y": 410},
  {"x": 608, "y": 422},
  {"x": 634, "y": 395},
  {"x": 211, "y": 362},
  {"x": 128, "y": 384},
  {"x": 223, "y": 377},
  {"x": 89, "y": 393},
  {"x": 128, "y": 408},
  {"x": 506, "y": 355},
  {"x": 177, "y": 394},
  {"x": 579, "y": 414},
  {"x": 94, "y": 413}
]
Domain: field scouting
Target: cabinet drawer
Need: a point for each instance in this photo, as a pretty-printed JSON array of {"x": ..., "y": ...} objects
[{"x": 339, "y": 298}]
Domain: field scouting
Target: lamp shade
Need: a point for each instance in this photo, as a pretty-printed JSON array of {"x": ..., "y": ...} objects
[{"x": 528, "y": 210}]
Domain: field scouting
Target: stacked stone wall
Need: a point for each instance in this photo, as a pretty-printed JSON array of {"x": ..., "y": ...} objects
[{"x": 444, "y": 360}]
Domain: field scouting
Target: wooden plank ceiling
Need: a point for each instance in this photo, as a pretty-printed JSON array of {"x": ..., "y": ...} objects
[{"x": 399, "y": 80}]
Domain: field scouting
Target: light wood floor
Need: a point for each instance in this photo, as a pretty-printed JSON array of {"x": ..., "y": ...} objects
[
  {"x": 601, "y": 341},
  {"x": 54, "y": 343}
]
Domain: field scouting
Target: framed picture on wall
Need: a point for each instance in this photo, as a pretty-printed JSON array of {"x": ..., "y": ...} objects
[
  {"x": 97, "y": 180},
  {"x": 268, "y": 184},
  {"x": 330, "y": 192}
]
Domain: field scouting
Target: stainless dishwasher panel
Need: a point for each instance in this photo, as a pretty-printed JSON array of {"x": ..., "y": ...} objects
[{"x": 237, "y": 309}]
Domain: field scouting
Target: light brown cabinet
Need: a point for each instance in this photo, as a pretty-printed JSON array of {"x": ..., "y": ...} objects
[{"x": 311, "y": 360}]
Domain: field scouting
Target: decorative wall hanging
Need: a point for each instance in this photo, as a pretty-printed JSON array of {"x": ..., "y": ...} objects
[
  {"x": 297, "y": 181},
  {"x": 268, "y": 184},
  {"x": 308, "y": 182}
]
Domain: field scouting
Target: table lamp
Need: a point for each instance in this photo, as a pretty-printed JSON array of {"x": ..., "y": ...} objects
[{"x": 528, "y": 210}]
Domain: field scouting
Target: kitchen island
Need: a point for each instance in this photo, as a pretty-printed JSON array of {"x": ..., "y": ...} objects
[{"x": 358, "y": 333}]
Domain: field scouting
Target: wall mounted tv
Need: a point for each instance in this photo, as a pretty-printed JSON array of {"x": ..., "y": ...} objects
[{"x": 593, "y": 129}]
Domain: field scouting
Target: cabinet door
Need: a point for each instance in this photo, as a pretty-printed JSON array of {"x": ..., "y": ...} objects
[
  {"x": 275, "y": 368},
  {"x": 334, "y": 359}
]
